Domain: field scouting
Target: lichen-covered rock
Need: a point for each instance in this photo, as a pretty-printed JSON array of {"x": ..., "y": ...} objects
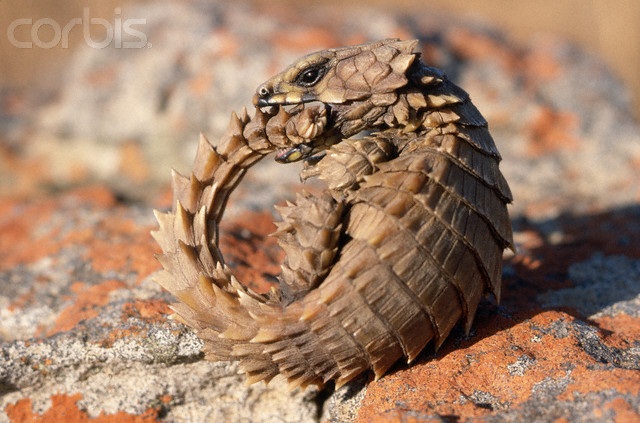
[
  {"x": 80, "y": 320},
  {"x": 86, "y": 333}
]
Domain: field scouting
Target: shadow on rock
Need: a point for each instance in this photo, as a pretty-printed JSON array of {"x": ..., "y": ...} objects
[{"x": 584, "y": 266}]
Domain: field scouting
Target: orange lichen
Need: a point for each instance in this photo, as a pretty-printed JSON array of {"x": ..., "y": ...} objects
[
  {"x": 29, "y": 233},
  {"x": 119, "y": 243},
  {"x": 86, "y": 306},
  {"x": 624, "y": 412},
  {"x": 619, "y": 330},
  {"x": 482, "y": 363},
  {"x": 64, "y": 408},
  {"x": 152, "y": 311},
  {"x": 552, "y": 131},
  {"x": 253, "y": 253}
]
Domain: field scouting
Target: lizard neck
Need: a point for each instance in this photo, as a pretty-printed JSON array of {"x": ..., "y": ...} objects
[{"x": 428, "y": 100}]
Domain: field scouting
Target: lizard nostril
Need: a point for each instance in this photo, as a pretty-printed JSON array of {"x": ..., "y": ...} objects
[{"x": 263, "y": 91}]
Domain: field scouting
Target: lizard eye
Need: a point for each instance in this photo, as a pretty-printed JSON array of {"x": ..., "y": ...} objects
[{"x": 310, "y": 76}]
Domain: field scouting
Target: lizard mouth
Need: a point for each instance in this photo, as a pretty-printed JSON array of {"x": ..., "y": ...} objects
[
  {"x": 308, "y": 131},
  {"x": 294, "y": 154},
  {"x": 265, "y": 98}
]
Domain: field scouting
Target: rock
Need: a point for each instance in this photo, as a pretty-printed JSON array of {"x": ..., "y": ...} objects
[
  {"x": 85, "y": 333},
  {"x": 598, "y": 285}
]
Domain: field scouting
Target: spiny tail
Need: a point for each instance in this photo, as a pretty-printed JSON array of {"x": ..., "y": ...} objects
[{"x": 264, "y": 335}]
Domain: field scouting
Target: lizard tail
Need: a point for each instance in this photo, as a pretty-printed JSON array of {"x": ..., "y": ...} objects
[{"x": 258, "y": 330}]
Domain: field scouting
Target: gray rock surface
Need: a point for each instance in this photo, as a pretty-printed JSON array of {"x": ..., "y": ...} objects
[{"x": 85, "y": 331}]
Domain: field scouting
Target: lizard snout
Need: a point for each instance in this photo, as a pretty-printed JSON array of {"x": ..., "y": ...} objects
[{"x": 261, "y": 97}]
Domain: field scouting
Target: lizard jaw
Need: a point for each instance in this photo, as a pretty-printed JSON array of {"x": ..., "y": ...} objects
[
  {"x": 265, "y": 98},
  {"x": 311, "y": 134}
]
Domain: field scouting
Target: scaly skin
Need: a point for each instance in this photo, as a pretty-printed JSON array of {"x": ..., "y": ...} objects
[{"x": 403, "y": 244}]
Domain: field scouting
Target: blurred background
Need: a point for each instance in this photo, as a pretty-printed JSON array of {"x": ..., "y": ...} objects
[
  {"x": 79, "y": 105},
  {"x": 607, "y": 29}
]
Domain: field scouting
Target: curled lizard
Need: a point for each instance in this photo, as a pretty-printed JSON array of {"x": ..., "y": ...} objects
[{"x": 404, "y": 242}]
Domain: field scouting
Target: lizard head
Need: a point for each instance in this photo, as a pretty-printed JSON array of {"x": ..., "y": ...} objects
[
  {"x": 349, "y": 81},
  {"x": 340, "y": 75}
]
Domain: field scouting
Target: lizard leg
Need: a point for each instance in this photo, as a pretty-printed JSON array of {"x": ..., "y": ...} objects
[{"x": 346, "y": 164}]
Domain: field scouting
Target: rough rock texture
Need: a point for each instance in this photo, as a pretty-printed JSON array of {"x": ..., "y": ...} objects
[
  {"x": 85, "y": 330},
  {"x": 84, "y": 334}
]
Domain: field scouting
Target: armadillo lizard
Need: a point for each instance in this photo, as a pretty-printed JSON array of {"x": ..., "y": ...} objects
[{"x": 405, "y": 241}]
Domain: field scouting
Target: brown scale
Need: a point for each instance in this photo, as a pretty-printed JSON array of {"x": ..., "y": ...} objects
[{"x": 403, "y": 244}]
